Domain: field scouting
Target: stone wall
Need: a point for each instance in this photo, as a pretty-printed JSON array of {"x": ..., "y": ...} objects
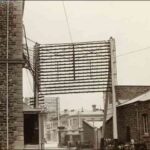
[{"x": 14, "y": 82}]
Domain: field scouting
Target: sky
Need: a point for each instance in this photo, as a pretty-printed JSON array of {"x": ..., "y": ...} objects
[{"x": 127, "y": 21}]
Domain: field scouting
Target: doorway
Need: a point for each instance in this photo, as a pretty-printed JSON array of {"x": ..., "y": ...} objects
[{"x": 31, "y": 129}]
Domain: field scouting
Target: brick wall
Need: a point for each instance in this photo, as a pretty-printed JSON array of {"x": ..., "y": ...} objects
[
  {"x": 131, "y": 116},
  {"x": 127, "y": 117},
  {"x": 127, "y": 114},
  {"x": 15, "y": 126},
  {"x": 108, "y": 129}
]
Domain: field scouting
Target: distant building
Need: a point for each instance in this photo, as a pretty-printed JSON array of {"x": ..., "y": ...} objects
[
  {"x": 133, "y": 115},
  {"x": 71, "y": 121},
  {"x": 51, "y": 104}
]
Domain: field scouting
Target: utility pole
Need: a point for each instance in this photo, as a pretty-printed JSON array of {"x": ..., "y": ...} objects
[
  {"x": 36, "y": 89},
  {"x": 36, "y": 96},
  {"x": 114, "y": 83}
]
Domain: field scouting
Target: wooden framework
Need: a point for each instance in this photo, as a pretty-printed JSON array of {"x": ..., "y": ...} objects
[{"x": 74, "y": 67}]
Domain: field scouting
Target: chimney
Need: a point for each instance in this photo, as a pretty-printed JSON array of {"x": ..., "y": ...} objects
[
  {"x": 65, "y": 110},
  {"x": 94, "y": 108}
]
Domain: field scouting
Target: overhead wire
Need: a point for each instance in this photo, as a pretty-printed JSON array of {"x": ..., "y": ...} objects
[
  {"x": 31, "y": 40},
  {"x": 67, "y": 21},
  {"x": 134, "y": 51}
]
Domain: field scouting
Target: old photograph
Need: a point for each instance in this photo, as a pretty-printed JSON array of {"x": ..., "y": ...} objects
[{"x": 74, "y": 75}]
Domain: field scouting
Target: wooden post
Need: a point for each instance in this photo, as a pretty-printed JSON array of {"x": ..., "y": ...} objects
[
  {"x": 104, "y": 120},
  {"x": 36, "y": 88},
  {"x": 114, "y": 83}
]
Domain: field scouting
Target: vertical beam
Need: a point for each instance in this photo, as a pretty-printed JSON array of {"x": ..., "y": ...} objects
[
  {"x": 105, "y": 114},
  {"x": 114, "y": 83},
  {"x": 7, "y": 73},
  {"x": 36, "y": 88},
  {"x": 58, "y": 111}
]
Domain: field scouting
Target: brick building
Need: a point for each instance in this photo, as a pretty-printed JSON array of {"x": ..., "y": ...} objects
[
  {"x": 133, "y": 115},
  {"x": 134, "y": 120},
  {"x": 11, "y": 63}
]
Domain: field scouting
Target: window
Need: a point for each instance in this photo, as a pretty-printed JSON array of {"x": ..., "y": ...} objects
[{"x": 145, "y": 123}]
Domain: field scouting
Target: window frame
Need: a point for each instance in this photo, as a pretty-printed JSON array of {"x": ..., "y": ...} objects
[{"x": 145, "y": 123}]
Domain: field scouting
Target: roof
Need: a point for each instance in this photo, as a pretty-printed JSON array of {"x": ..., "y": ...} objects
[
  {"x": 94, "y": 124},
  {"x": 142, "y": 98},
  {"x": 27, "y": 108},
  {"x": 82, "y": 113},
  {"x": 128, "y": 92}
]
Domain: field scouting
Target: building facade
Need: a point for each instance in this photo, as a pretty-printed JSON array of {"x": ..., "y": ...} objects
[
  {"x": 11, "y": 63},
  {"x": 134, "y": 120}
]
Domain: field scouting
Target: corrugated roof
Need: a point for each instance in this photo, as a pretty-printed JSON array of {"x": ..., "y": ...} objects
[{"x": 141, "y": 98}]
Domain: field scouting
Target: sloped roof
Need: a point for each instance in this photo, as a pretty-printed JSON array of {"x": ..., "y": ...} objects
[
  {"x": 94, "y": 124},
  {"x": 141, "y": 98}
]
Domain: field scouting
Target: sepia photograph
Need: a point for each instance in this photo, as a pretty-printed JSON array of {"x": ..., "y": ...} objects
[{"x": 74, "y": 75}]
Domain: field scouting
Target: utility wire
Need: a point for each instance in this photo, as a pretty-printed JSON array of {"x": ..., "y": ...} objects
[
  {"x": 26, "y": 44},
  {"x": 31, "y": 40},
  {"x": 67, "y": 21},
  {"x": 134, "y": 51}
]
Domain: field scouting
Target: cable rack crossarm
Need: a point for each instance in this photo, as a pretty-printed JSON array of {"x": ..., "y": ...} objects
[{"x": 73, "y": 67}]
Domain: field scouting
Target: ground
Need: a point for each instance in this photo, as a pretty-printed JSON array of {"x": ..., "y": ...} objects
[{"x": 53, "y": 146}]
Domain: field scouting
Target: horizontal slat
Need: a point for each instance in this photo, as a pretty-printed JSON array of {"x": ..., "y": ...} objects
[
  {"x": 59, "y": 49},
  {"x": 66, "y": 53},
  {"x": 71, "y": 77},
  {"x": 73, "y": 83},
  {"x": 73, "y": 86},
  {"x": 71, "y": 73},
  {"x": 96, "y": 56},
  {"x": 72, "y": 89},
  {"x": 77, "y": 92},
  {"x": 71, "y": 44},
  {"x": 68, "y": 67},
  {"x": 90, "y": 69},
  {"x": 43, "y": 80},
  {"x": 76, "y": 61},
  {"x": 79, "y": 62}
]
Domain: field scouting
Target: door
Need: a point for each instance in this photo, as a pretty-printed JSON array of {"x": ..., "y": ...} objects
[{"x": 31, "y": 129}]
